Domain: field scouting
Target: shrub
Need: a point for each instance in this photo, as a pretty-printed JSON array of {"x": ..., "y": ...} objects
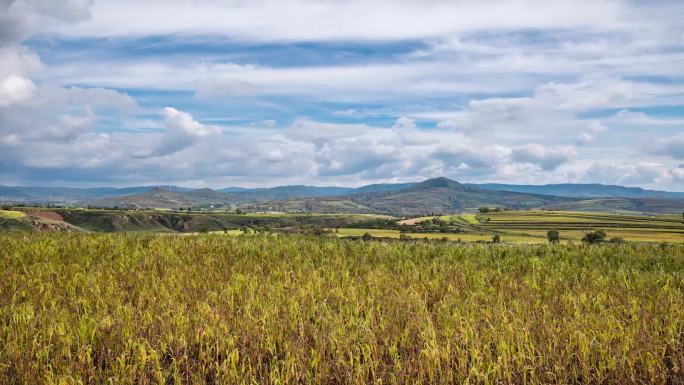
[
  {"x": 496, "y": 238},
  {"x": 594, "y": 237},
  {"x": 553, "y": 236}
]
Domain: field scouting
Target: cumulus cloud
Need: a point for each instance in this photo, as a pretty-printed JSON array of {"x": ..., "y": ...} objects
[
  {"x": 15, "y": 89},
  {"x": 677, "y": 174},
  {"x": 61, "y": 114},
  {"x": 548, "y": 158},
  {"x": 21, "y": 18},
  {"x": 639, "y": 174},
  {"x": 593, "y": 129},
  {"x": 321, "y": 132},
  {"x": 182, "y": 131},
  {"x": 672, "y": 146},
  {"x": 496, "y": 98}
]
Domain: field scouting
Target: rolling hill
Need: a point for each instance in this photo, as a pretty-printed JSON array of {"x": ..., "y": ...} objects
[
  {"x": 582, "y": 190},
  {"x": 438, "y": 195},
  {"x": 443, "y": 195},
  {"x": 70, "y": 195},
  {"x": 163, "y": 199}
]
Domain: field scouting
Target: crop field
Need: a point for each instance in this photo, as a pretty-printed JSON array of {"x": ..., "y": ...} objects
[
  {"x": 213, "y": 309},
  {"x": 573, "y": 225},
  {"x": 465, "y": 237},
  {"x": 532, "y": 226}
]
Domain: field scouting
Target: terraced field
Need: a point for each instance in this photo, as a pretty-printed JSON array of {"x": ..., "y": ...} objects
[
  {"x": 573, "y": 225},
  {"x": 532, "y": 226}
]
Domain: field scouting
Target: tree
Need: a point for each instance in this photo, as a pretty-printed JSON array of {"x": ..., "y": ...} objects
[
  {"x": 553, "y": 236},
  {"x": 367, "y": 237},
  {"x": 594, "y": 237},
  {"x": 496, "y": 238},
  {"x": 238, "y": 211},
  {"x": 6, "y": 208}
]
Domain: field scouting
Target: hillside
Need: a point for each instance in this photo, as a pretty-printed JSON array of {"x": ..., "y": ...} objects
[
  {"x": 439, "y": 195},
  {"x": 285, "y": 192},
  {"x": 622, "y": 205},
  {"x": 69, "y": 195},
  {"x": 164, "y": 199},
  {"x": 434, "y": 195},
  {"x": 34, "y": 221},
  {"x": 284, "y": 198},
  {"x": 293, "y": 192},
  {"x": 115, "y": 221},
  {"x": 443, "y": 195},
  {"x": 582, "y": 190},
  {"x": 240, "y": 195}
]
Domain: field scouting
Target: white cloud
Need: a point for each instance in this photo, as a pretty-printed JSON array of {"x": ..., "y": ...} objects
[
  {"x": 15, "y": 89},
  {"x": 21, "y": 18},
  {"x": 626, "y": 174},
  {"x": 593, "y": 129},
  {"x": 672, "y": 146},
  {"x": 18, "y": 61},
  {"x": 182, "y": 131},
  {"x": 61, "y": 114},
  {"x": 510, "y": 85},
  {"x": 548, "y": 158},
  {"x": 353, "y": 19},
  {"x": 318, "y": 132}
]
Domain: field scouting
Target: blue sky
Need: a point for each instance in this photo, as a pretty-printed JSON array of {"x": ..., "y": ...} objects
[{"x": 330, "y": 92}]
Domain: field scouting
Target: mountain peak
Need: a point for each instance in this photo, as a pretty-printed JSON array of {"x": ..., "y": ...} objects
[{"x": 440, "y": 182}]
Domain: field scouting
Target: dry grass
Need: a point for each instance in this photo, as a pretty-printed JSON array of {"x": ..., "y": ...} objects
[{"x": 211, "y": 309}]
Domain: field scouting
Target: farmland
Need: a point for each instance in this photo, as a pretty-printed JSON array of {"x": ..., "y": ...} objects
[
  {"x": 573, "y": 225},
  {"x": 196, "y": 309},
  {"x": 530, "y": 226}
]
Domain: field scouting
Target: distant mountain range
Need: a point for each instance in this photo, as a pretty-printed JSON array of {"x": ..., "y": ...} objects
[
  {"x": 582, "y": 190},
  {"x": 439, "y": 195}
]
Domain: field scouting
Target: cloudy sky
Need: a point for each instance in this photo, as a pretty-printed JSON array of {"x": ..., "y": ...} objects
[{"x": 341, "y": 92}]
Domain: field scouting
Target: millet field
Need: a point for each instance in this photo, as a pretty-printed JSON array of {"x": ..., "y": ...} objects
[{"x": 216, "y": 309}]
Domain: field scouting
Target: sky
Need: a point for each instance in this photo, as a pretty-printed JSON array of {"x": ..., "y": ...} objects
[{"x": 341, "y": 92}]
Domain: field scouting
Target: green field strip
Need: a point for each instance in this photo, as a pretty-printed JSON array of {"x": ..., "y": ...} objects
[{"x": 11, "y": 214}]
